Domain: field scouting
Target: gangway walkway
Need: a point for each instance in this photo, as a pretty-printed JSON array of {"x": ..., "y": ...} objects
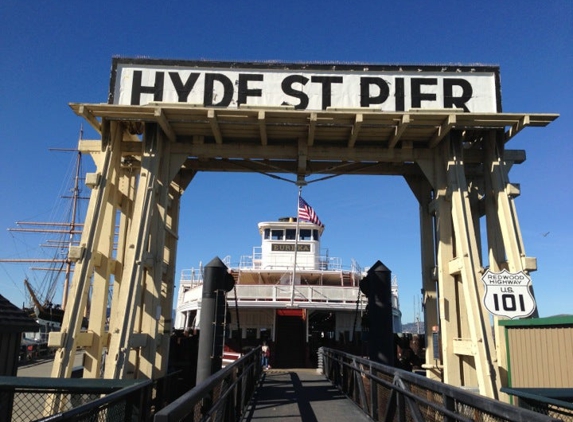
[
  {"x": 300, "y": 395},
  {"x": 344, "y": 387}
]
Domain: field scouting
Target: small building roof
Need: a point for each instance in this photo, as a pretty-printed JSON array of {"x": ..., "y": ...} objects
[{"x": 13, "y": 319}]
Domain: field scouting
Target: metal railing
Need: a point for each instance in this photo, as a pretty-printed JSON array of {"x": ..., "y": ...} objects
[
  {"x": 322, "y": 262},
  {"x": 548, "y": 401},
  {"x": 69, "y": 399},
  {"x": 389, "y": 394},
  {"x": 223, "y": 396},
  {"x": 303, "y": 293}
]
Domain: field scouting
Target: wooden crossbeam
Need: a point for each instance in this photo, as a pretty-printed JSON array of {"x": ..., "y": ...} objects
[
  {"x": 212, "y": 117},
  {"x": 89, "y": 116},
  {"x": 164, "y": 123},
  {"x": 302, "y": 160},
  {"x": 311, "y": 128},
  {"x": 400, "y": 128},
  {"x": 517, "y": 127},
  {"x": 443, "y": 130},
  {"x": 263, "y": 128},
  {"x": 355, "y": 129}
]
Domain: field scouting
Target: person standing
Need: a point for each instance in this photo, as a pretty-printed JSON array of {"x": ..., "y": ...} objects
[{"x": 266, "y": 353}]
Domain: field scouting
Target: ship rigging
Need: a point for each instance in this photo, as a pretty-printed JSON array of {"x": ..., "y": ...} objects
[{"x": 54, "y": 263}]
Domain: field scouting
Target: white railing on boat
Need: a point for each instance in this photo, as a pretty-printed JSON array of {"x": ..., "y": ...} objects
[
  {"x": 191, "y": 279},
  {"x": 321, "y": 294},
  {"x": 322, "y": 262},
  {"x": 194, "y": 276},
  {"x": 265, "y": 294}
]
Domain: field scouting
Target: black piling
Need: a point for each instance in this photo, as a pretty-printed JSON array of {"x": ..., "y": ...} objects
[
  {"x": 216, "y": 282},
  {"x": 377, "y": 286}
]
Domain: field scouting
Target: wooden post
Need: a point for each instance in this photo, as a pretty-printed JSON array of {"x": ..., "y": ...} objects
[
  {"x": 475, "y": 346},
  {"x": 123, "y": 358},
  {"x": 422, "y": 189}
]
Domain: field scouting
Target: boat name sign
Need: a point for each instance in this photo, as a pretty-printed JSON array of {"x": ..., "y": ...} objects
[
  {"x": 508, "y": 294},
  {"x": 278, "y": 247}
]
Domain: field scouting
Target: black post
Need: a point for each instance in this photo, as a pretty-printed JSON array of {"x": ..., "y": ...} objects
[
  {"x": 216, "y": 281},
  {"x": 377, "y": 286}
]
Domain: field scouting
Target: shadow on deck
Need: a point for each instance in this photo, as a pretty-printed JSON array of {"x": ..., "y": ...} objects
[{"x": 300, "y": 394}]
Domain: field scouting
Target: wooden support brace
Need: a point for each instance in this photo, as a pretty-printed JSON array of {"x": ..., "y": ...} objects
[
  {"x": 468, "y": 263},
  {"x": 464, "y": 347},
  {"x": 455, "y": 266},
  {"x": 215, "y": 126},
  {"x": 85, "y": 339},
  {"x": 399, "y": 130},
  {"x": 86, "y": 114},
  {"x": 89, "y": 146},
  {"x": 529, "y": 263},
  {"x": 513, "y": 190},
  {"x": 311, "y": 128},
  {"x": 263, "y": 128},
  {"x": 443, "y": 130},
  {"x": 92, "y": 180},
  {"x": 355, "y": 129},
  {"x": 517, "y": 127},
  {"x": 302, "y": 159},
  {"x": 164, "y": 124}
]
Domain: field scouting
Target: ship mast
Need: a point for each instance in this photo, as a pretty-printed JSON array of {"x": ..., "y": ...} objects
[{"x": 71, "y": 228}]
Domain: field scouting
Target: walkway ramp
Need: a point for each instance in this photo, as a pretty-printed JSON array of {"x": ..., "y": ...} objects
[{"x": 300, "y": 395}]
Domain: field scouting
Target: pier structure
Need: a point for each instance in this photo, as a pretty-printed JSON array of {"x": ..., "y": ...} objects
[{"x": 440, "y": 128}]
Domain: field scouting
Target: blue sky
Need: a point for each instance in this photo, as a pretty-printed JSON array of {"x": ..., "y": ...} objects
[{"x": 54, "y": 53}]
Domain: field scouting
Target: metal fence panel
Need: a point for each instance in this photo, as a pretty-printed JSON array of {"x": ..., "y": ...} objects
[
  {"x": 31, "y": 399},
  {"x": 389, "y": 394},
  {"x": 223, "y": 397}
]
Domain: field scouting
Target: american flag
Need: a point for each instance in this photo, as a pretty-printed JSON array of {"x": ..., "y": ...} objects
[{"x": 306, "y": 213}]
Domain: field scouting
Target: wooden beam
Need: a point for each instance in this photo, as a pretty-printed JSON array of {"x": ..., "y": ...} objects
[
  {"x": 474, "y": 320},
  {"x": 399, "y": 130},
  {"x": 311, "y": 128},
  {"x": 443, "y": 130},
  {"x": 517, "y": 127},
  {"x": 89, "y": 116},
  {"x": 302, "y": 160},
  {"x": 464, "y": 347},
  {"x": 89, "y": 146},
  {"x": 286, "y": 152},
  {"x": 355, "y": 129},
  {"x": 164, "y": 123},
  {"x": 263, "y": 128},
  {"x": 215, "y": 126}
]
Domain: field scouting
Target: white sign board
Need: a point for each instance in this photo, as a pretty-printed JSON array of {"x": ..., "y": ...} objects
[
  {"x": 389, "y": 89},
  {"x": 508, "y": 294}
]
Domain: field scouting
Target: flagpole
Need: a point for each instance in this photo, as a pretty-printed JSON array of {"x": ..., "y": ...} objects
[{"x": 295, "y": 247}]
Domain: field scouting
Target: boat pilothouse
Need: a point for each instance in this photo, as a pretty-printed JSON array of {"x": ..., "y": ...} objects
[
  {"x": 323, "y": 306},
  {"x": 274, "y": 261}
]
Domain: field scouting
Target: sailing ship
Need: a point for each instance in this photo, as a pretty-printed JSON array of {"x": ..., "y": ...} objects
[
  {"x": 55, "y": 266},
  {"x": 290, "y": 294}
]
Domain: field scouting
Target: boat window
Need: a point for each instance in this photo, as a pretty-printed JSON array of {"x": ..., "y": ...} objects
[
  {"x": 277, "y": 234},
  {"x": 315, "y": 234},
  {"x": 267, "y": 233},
  {"x": 265, "y": 334},
  {"x": 251, "y": 333},
  {"x": 305, "y": 234},
  {"x": 235, "y": 334},
  {"x": 290, "y": 234}
]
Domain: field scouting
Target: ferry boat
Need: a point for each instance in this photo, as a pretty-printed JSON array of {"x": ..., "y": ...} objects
[{"x": 324, "y": 305}]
